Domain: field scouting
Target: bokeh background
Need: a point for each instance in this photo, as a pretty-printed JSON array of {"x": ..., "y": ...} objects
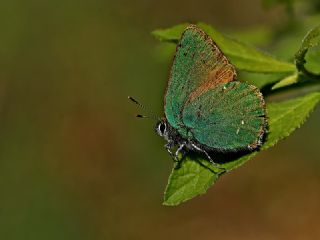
[{"x": 76, "y": 164}]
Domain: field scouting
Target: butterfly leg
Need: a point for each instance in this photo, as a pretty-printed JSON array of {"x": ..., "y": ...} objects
[
  {"x": 208, "y": 156},
  {"x": 169, "y": 146},
  {"x": 180, "y": 150},
  {"x": 175, "y": 156}
]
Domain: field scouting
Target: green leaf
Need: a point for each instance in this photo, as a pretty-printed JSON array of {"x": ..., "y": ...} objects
[
  {"x": 287, "y": 81},
  {"x": 311, "y": 40},
  {"x": 257, "y": 35},
  {"x": 191, "y": 177},
  {"x": 260, "y": 80},
  {"x": 242, "y": 55},
  {"x": 313, "y": 60},
  {"x": 195, "y": 174},
  {"x": 246, "y": 57},
  {"x": 285, "y": 117},
  {"x": 172, "y": 34}
]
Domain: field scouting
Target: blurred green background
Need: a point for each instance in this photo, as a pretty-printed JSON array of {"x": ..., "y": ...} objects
[{"x": 76, "y": 164}]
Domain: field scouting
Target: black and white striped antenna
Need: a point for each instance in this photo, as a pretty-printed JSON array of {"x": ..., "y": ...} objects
[{"x": 151, "y": 114}]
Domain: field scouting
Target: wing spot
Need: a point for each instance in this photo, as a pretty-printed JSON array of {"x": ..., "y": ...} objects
[{"x": 242, "y": 122}]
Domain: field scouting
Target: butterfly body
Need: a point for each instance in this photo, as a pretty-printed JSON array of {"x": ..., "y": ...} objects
[{"x": 206, "y": 109}]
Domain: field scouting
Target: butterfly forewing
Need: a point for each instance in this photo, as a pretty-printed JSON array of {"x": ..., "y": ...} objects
[{"x": 198, "y": 66}]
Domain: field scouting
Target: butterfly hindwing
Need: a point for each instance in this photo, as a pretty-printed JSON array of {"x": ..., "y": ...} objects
[
  {"x": 229, "y": 117},
  {"x": 198, "y": 66}
]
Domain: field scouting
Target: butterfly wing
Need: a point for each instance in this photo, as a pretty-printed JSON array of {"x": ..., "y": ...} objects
[
  {"x": 198, "y": 66},
  {"x": 229, "y": 117}
]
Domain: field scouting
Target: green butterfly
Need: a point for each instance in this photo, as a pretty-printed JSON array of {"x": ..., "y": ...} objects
[{"x": 206, "y": 109}]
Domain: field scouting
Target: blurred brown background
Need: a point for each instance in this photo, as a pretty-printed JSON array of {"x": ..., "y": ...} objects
[{"x": 76, "y": 164}]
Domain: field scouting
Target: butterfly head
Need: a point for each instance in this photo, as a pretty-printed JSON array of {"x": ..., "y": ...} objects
[{"x": 162, "y": 128}]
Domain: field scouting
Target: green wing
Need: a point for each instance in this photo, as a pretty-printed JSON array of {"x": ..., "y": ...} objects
[
  {"x": 198, "y": 66},
  {"x": 227, "y": 118}
]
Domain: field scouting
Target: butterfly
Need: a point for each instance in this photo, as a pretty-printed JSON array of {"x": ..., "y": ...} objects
[{"x": 206, "y": 109}]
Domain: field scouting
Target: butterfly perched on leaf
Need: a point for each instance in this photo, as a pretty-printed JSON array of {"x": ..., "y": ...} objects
[{"x": 206, "y": 109}]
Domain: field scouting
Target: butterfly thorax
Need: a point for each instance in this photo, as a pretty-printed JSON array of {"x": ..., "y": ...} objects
[{"x": 175, "y": 139}]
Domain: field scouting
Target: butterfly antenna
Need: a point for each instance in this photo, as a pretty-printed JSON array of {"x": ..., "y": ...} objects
[
  {"x": 152, "y": 115},
  {"x": 141, "y": 116}
]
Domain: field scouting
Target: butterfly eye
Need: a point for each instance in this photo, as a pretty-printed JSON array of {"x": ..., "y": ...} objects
[{"x": 162, "y": 128}]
